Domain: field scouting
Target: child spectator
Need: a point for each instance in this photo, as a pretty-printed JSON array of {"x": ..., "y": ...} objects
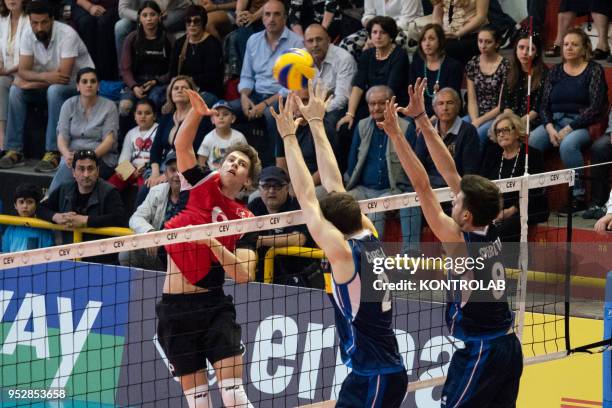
[
  {"x": 136, "y": 149},
  {"x": 215, "y": 143},
  {"x": 21, "y": 238}
]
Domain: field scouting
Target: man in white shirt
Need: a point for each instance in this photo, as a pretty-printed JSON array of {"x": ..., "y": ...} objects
[
  {"x": 51, "y": 53},
  {"x": 336, "y": 68}
]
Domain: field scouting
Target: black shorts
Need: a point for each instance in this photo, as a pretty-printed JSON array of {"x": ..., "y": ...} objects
[
  {"x": 584, "y": 7},
  {"x": 378, "y": 391},
  {"x": 485, "y": 374},
  {"x": 197, "y": 327}
]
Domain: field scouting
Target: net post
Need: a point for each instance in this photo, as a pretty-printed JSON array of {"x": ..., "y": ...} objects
[
  {"x": 607, "y": 355},
  {"x": 523, "y": 252},
  {"x": 568, "y": 266}
]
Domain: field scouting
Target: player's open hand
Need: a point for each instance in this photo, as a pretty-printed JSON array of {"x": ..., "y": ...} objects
[
  {"x": 391, "y": 122},
  {"x": 198, "y": 104},
  {"x": 285, "y": 123},
  {"x": 417, "y": 101},
  {"x": 317, "y": 101}
]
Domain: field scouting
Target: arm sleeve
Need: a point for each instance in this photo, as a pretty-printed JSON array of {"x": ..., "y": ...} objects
[
  {"x": 48, "y": 208},
  {"x": 68, "y": 45},
  {"x": 25, "y": 45},
  {"x": 204, "y": 149},
  {"x": 361, "y": 77},
  {"x": 125, "y": 65},
  {"x": 126, "y": 11},
  {"x": 545, "y": 112},
  {"x": 506, "y": 101},
  {"x": 347, "y": 67},
  {"x": 111, "y": 120},
  {"x": 141, "y": 220},
  {"x": 247, "y": 76},
  {"x": 63, "y": 124},
  {"x": 114, "y": 212},
  {"x": 128, "y": 147},
  {"x": 195, "y": 174},
  {"x": 598, "y": 96}
]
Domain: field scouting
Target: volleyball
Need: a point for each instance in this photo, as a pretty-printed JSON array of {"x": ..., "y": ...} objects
[{"x": 294, "y": 68}]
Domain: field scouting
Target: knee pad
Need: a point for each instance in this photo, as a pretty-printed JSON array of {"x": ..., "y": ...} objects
[
  {"x": 233, "y": 394},
  {"x": 198, "y": 397}
]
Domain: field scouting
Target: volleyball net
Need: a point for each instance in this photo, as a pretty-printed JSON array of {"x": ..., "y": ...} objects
[{"x": 85, "y": 333}]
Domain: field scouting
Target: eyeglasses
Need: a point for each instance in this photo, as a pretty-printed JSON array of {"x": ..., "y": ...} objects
[
  {"x": 268, "y": 187},
  {"x": 193, "y": 20},
  {"x": 85, "y": 154},
  {"x": 506, "y": 130}
]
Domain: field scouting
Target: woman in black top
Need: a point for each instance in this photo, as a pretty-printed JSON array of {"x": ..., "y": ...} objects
[
  {"x": 505, "y": 158},
  {"x": 514, "y": 93},
  {"x": 432, "y": 63},
  {"x": 385, "y": 64},
  {"x": 145, "y": 60},
  {"x": 199, "y": 54}
]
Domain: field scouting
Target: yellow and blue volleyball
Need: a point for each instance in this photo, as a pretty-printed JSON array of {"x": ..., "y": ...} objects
[{"x": 294, "y": 68}]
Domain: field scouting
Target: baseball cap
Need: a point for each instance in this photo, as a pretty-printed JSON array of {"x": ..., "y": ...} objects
[
  {"x": 221, "y": 103},
  {"x": 170, "y": 157},
  {"x": 273, "y": 173}
]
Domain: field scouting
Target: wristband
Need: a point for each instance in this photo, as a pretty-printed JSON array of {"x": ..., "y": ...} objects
[
  {"x": 350, "y": 115},
  {"x": 288, "y": 134},
  {"x": 418, "y": 116},
  {"x": 311, "y": 119}
]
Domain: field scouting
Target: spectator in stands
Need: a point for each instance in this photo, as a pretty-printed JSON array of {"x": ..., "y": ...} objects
[
  {"x": 172, "y": 14},
  {"x": 95, "y": 20},
  {"x": 604, "y": 224},
  {"x": 87, "y": 122},
  {"x": 335, "y": 69},
  {"x": 137, "y": 145},
  {"x": 305, "y": 13},
  {"x": 306, "y": 141},
  {"x": 145, "y": 60},
  {"x": 222, "y": 137},
  {"x": 50, "y": 55},
  {"x": 221, "y": 16},
  {"x": 274, "y": 198},
  {"x": 461, "y": 20},
  {"x": 22, "y": 238},
  {"x": 460, "y": 137},
  {"x": 514, "y": 92},
  {"x": 505, "y": 158},
  {"x": 249, "y": 21},
  {"x": 258, "y": 89},
  {"x": 601, "y": 152},
  {"x": 86, "y": 201},
  {"x": 486, "y": 74},
  {"x": 432, "y": 63},
  {"x": 374, "y": 169},
  {"x": 174, "y": 111},
  {"x": 349, "y": 13},
  {"x": 574, "y": 97},
  {"x": 163, "y": 202},
  {"x": 13, "y": 22},
  {"x": 601, "y": 11},
  {"x": 403, "y": 12},
  {"x": 384, "y": 64},
  {"x": 199, "y": 55}
]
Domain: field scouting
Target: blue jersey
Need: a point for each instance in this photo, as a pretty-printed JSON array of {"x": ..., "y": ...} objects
[
  {"x": 367, "y": 341},
  {"x": 486, "y": 315},
  {"x": 18, "y": 238}
]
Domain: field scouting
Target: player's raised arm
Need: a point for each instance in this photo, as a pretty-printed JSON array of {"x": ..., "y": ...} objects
[
  {"x": 313, "y": 112},
  {"x": 441, "y": 224},
  {"x": 183, "y": 143},
  {"x": 325, "y": 234},
  {"x": 439, "y": 152}
]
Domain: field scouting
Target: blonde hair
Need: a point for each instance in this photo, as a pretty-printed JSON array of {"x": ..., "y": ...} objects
[
  {"x": 169, "y": 105},
  {"x": 517, "y": 124}
]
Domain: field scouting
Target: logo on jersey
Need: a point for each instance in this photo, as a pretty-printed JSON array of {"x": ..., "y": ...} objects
[
  {"x": 243, "y": 213},
  {"x": 218, "y": 215}
]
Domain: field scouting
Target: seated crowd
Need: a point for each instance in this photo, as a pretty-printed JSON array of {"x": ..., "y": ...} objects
[{"x": 114, "y": 107}]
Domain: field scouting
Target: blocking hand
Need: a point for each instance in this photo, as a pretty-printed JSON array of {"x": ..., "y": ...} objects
[
  {"x": 317, "y": 102},
  {"x": 285, "y": 123},
  {"x": 198, "y": 104},
  {"x": 417, "y": 101}
]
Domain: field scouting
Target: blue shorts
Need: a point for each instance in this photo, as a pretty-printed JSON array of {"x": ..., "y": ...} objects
[
  {"x": 485, "y": 374},
  {"x": 376, "y": 391}
]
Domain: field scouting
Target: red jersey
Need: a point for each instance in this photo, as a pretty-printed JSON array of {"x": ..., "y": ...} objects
[{"x": 206, "y": 204}]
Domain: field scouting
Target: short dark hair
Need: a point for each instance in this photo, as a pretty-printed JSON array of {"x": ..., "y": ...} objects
[
  {"x": 27, "y": 190},
  {"x": 494, "y": 32},
  {"x": 40, "y": 7},
  {"x": 343, "y": 211},
  {"x": 195, "y": 10},
  {"x": 386, "y": 23},
  {"x": 251, "y": 153},
  {"x": 439, "y": 34},
  {"x": 86, "y": 70},
  {"x": 146, "y": 101},
  {"x": 83, "y": 155},
  {"x": 482, "y": 198}
]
